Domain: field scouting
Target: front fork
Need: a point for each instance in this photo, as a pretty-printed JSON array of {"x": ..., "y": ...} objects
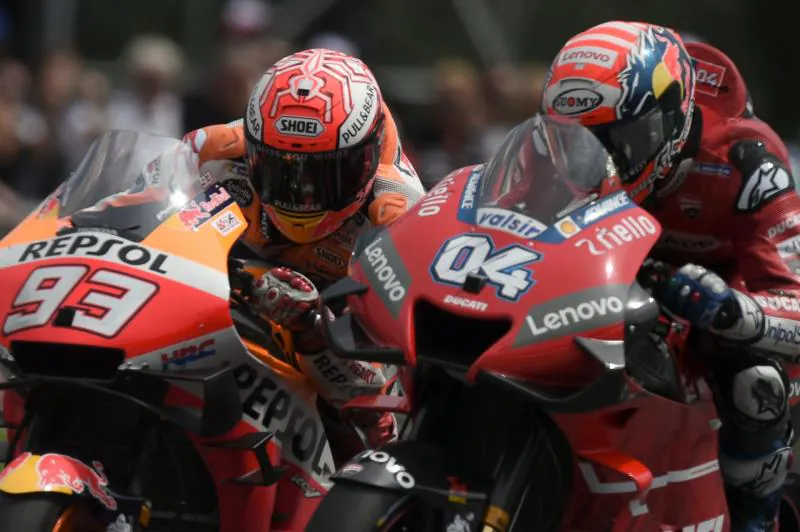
[
  {"x": 515, "y": 469},
  {"x": 512, "y": 477}
]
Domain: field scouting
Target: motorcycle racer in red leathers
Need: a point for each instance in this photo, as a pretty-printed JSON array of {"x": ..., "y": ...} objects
[
  {"x": 315, "y": 162},
  {"x": 680, "y": 126}
]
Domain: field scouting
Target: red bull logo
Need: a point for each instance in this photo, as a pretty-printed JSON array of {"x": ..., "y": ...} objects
[
  {"x": 209, "y": 203},
  {"x": 192, "y": 215},
  {"x": 57, "y": 470},
  {"x": 13, "y": 465},
  {"x": 216, "y": 200},
  {"x": 48, "y": 206}
]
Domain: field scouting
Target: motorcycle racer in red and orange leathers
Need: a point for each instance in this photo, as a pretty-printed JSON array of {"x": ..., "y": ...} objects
[{"x": 315, "y": 162}]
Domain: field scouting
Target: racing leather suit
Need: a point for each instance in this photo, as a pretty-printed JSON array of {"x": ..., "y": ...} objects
[
  {"x": 732, "y": 207},
  {"x": 221, "y": 149}
]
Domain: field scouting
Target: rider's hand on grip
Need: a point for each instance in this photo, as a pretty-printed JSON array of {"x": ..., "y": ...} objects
[
  {"x": 701, "y": 297},
  {"x": 287, "y": 298}
]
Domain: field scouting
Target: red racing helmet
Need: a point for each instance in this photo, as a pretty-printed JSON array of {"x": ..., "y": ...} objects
[
  {"x": 314, "y": 133},
  {"x": 633, "y": 85}
]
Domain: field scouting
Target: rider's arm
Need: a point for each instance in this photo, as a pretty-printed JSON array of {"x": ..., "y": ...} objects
[
  {"x": 766, "y": 240},
  {"x": 217, "y": 142},
  {"x": 397, "y": 186},
  {"x": 338, "y": 381}
]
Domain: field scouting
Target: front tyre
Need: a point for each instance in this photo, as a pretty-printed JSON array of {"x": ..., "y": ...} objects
[
  {"x": 359, "y": 508},
  {"x": 45, "y": 512}
]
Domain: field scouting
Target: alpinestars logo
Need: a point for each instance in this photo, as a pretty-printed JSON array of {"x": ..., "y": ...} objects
[
  {"x": 771, "y": 473},
  {"x": 767, "y": 182}
]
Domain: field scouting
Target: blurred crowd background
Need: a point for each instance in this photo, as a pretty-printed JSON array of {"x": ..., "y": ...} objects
[{"x": 457, "y": 73}]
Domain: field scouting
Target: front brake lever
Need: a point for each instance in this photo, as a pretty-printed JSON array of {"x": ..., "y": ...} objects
[
  {"x": 654, "y": 277},
  {"x": 241, "y": 282},
  {"x": 239, "y": 278}
]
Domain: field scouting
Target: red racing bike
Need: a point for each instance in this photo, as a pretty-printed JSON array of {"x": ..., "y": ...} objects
[{"x": 545, "y": 388}]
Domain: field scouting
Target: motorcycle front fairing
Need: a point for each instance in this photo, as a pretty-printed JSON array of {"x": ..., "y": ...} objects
[
  {"x": 135, "y": 240},
  {"x": 534, "y": 266}
]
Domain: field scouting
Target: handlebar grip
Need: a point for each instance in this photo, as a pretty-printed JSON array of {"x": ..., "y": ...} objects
[
  {"x": 654, "y": 276},
  {"x": 239, "y": 278}
]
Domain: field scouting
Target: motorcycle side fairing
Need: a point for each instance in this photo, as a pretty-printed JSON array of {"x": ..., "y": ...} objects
[{"x": 616, "y": 480}]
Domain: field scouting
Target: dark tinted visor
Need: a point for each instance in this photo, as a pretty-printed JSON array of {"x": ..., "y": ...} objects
[
  {"x": 633, "y": 144},
  {"x": 313, "y": 182}
]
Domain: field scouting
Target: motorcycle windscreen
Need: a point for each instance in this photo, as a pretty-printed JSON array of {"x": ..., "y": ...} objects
[
  {"x": 546, "y": 168},
  {"x": 129, "y": 183}
]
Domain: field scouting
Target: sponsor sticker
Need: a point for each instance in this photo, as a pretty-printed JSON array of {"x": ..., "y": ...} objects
[
  {"x": 794, "y": 389},
  {"x": 97, "y": 245},
  {"x": 782, "y": 335},
  {"x": 584, "y": 217},
  {"x": 204, "y": 207},
  {"x": 329, "y": 256},
  {"x": 403, "y": 478},
  {"x": 509, "y": 222},
  {"x": 708, "y": 77},
  {"x": 603, "y": 208},
  {"x": 574, "y": 313},
  {"x": 350, "y": 469},
  {"x": 628, "y": 229},
  {"x": 463, "y": 302},
  {"x": 588, "y": 54},
  {"x": 386, "y": 272},
  {"x": 688, "y": 243},
  {"x": 567, "y": 227},
  {"x": 240, "y": 190},
  {"x": 466, "y": 206},
  {"x": 309, "y": 491},
  {"x": 793, "y": 220},
  {"x": 354, "y": 128},
  {"x": 189, "y": 353},
  {"x": 723, "y": 170},
  {"x": 781, "y": 303},
  {"x": 267, "y": 402},
  {"x": 299, "y": 126},
  {"x": 577, "y": 101},
  {"x": 226, "y": 223},
  {"x": 431, "y": 204}
]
